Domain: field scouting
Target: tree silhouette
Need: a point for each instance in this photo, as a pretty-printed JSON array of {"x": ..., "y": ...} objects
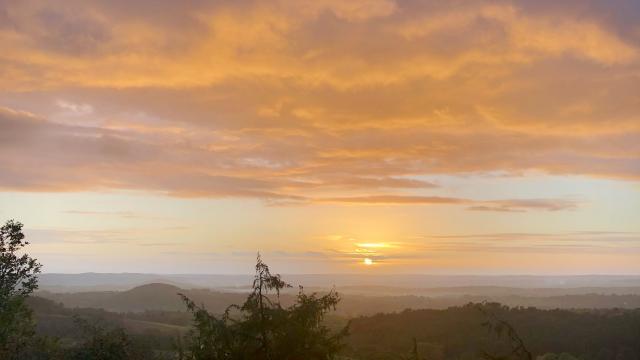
[
  {"x": 262, "y": 329},
  {"x": 414, "y": 354},
  {"x": 517, "y": 348},
  {"x": 18, "y": 279}
]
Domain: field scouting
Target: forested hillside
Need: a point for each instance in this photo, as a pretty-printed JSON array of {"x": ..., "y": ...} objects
[
  {"x": 457, "y": 333},
  {"x": 164, "y": 297},
  {"x": 453, "y": 333}
]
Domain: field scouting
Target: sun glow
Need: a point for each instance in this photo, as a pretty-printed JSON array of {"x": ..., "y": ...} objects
[
  {"x": 367, "y": 261},
  {"x": 373, "y": 245}
]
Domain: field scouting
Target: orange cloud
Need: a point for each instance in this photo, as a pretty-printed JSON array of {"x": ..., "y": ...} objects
[{"x": 315, "y": 101}]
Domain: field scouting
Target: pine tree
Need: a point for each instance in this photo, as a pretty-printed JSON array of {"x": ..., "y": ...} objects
[{"x": 262, "y": 329}]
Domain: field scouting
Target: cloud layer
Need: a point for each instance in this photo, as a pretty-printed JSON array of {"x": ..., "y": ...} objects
[{"x": 317, "y": 101}]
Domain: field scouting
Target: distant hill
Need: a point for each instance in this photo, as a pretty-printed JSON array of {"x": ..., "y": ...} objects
[
  {"x": 358, "y": 282},
  {"x": 155, "y": 296},
  {"x": 164, "y": 297},
  {"x": 123, "y": 281}
]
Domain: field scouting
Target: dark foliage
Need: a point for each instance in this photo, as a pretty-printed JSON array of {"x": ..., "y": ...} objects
[
  {"x": 104, "y": 343},
  {"x": 17, "y": 281},
  {"x": 262, "y": 329},
  {"x": 457, "y": 333},
  {"x": 517, "y": 348}
]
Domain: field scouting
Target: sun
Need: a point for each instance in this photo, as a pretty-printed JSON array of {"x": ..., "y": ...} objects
[{"x": 367, "y": 261}]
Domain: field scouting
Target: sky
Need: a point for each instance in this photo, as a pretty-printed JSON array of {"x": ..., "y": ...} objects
[{"x": 363, "y": 136}]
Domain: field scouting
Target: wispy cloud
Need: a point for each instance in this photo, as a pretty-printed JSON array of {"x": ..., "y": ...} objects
[
  {"x": 509, "y": 205},
  {"x": 561, "y": 242},
  {"x": 421, "y": 248},
  {"x": 129, "y": 235},
  {"x": 115, "y": 214}
]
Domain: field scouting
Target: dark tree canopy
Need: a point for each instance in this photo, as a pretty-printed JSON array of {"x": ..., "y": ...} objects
[
  {"x": 262, "y": 329},
  {"x": 18, "y": 279},
  {"x": 105, "y": 343}
]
